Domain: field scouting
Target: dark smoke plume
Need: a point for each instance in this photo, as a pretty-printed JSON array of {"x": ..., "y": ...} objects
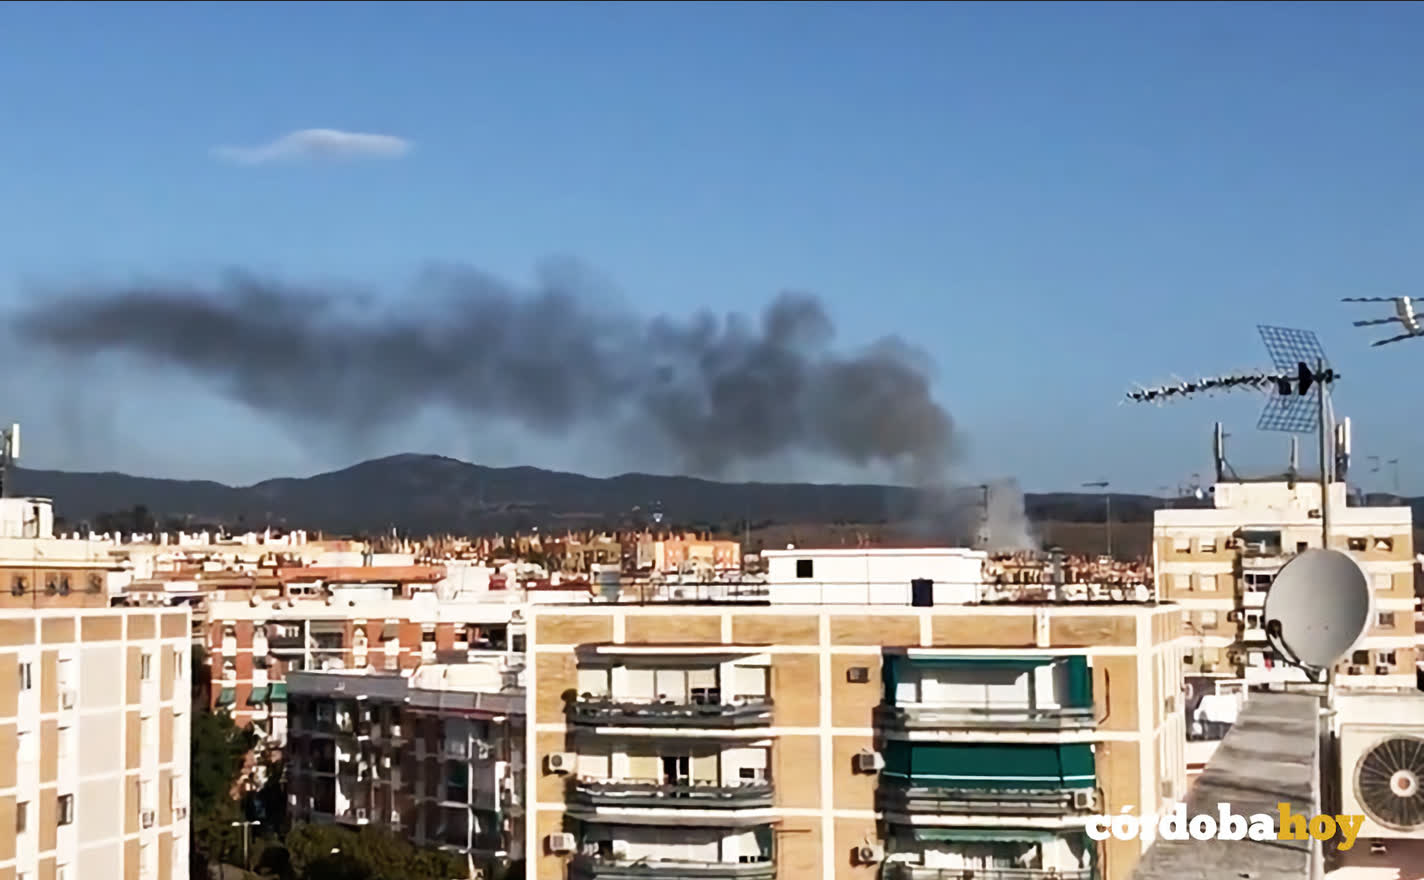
[{"x": 717, "y": 392}]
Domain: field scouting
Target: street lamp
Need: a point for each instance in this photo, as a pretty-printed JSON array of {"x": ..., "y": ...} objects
[
  {"x": 1107, "y": 513},
  {"x": 246, "y": 863}
]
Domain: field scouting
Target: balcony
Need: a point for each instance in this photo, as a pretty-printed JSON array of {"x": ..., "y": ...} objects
[
  {"x": 930, "y": 800},
  {"x": 604, "y": 712},
  {"x": 926, "y": 716},
  {"x": 900, "y": 871},
  {"x": 659, "y": 795},
  {"x": 595, "y": 868}
]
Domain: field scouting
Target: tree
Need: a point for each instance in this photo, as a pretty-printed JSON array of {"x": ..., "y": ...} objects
[
  {"x": 219, "y": 751},
  {"x": 331, "y": 852}
]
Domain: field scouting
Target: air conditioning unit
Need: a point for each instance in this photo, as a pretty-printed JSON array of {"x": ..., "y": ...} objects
[
  {"x": 858, "y": 674},
  {"x": 145, "y": 819},
  {"x": 1357, "y": 670},
  {"x": 559, "y": 762},
  {"x": 1381, "y": 762},
  {"x": 1084, "y": 800},
  {"x": 867, "y": 761},
  {"x": 562, "y": 842},
  {"x": 67, "y": 698},
  {"x": 869, "y": 854},
  {"x": 1382, "y": 669}
]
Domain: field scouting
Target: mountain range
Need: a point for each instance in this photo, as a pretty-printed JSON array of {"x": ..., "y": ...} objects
[{"x": 429, "y": 494}]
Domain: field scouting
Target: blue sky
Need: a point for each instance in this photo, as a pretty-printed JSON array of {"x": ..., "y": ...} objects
[{"x": 1054, "y": 200}]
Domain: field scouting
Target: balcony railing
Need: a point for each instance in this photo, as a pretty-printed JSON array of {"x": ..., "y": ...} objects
[
  {"x": 744, "y": 712},
  {"x": 660, "y": 795},
  {"x": 896, "y": 798},
  {"x": 924, "y": 716},
  {"x": 901, "y": 871},
  {"x": 594, "y": 868}
]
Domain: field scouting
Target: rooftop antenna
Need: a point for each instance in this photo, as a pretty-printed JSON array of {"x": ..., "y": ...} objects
[
  {"x": 1299, "y": 396},
  {"x": 9, "y": 454}
]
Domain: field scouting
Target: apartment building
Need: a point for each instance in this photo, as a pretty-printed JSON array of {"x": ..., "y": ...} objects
[
  {"x": 94, "y": 729},
  {"x": 1218, "y": 562},
  {"x": 859, "y": 739},
  {"x": 437, "y": 752},
  {"x": 40, "y": 570},
  {"x": 252, "y": 645}
]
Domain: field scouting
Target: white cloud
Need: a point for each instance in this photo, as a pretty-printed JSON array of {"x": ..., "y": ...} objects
[{"x": 317, "y": 144}]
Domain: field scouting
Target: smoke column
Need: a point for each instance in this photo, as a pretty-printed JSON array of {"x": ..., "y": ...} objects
[{"x": 715, "y": 392}]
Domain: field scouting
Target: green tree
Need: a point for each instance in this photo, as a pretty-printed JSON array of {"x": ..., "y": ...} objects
[
  {"x": 219, "y": 751},
  {"x": 330, "y": 852}
]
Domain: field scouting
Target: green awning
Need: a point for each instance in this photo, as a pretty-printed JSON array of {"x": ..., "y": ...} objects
[
  {"x": 227, "y": 696},
  {"x": 991, "y": 765},
  {"x": 278, "y": 693},
  {"x": 258, "y": 695},
  {"x": 985, "y": 835}
]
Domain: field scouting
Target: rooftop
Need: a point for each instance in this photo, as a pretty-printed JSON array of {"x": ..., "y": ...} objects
[{"x": 1269, "y": 756}]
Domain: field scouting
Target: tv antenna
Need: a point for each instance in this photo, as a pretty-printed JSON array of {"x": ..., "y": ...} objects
[
  {"x": 9, "y": 453},
  {"x": 1318, "y": 608},
  {"x": 1299, "y": 396},
  {"x": 1404, "y": 316}
]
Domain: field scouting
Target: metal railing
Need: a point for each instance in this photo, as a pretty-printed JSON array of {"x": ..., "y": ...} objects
[
  {"x": 915, "y": 716},
  {"x": 743, "y": 712},
  {"x": 901, "y": 871},
  {"x": 892, "y": 797},
  {"x": 596, "y": 868},
  {"x": 662, "y": 795}
]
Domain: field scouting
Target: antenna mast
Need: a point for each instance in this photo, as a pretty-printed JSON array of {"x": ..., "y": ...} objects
[{"x": 9, "y": 452}]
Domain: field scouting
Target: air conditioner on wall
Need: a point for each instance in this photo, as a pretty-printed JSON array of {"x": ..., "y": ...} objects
[
  {"x": 563, "y": 842},
  {"x": 869, "y": 854},
  {"x": 868, "y": 761}
]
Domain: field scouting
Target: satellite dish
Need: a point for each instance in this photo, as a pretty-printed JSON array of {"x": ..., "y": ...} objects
[{"x": 1318, "y": 608}]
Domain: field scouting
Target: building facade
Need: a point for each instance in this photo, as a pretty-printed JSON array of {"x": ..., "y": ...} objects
[
  {"x": 94, "y": 721},
  {"x": 1218, "y": 562},
  {"x": 253, "y": 645},
  {"x": 436, "y": 753},
  {"x": 811, "y": 742}
]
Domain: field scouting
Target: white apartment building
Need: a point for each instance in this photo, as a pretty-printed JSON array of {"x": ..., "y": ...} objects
[
  {"x": 1218, "y": 562},
  {"x": 94, "y": 724}
]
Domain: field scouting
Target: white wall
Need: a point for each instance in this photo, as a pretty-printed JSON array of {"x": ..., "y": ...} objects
[{"x": 873, "y": 576}]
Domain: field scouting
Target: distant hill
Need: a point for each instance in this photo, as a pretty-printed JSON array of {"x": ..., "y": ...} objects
[{"x": 429, "y": 493}]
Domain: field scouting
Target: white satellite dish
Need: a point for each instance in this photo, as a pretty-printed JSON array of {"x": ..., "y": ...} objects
[{"x": 1318, "y": 608}]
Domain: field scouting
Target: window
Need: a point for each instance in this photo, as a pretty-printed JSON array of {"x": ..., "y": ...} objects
[
  {"x": 1356, "y": 544},
  {"x": 65, "y": 746},
  {"x": 1383, "y": 581},
  {"x": 25, "y": 748},
  {"x": 1208, "y": 620},
  {"x": 1385, "y": 658},
  {"x": 805, "y": 568},
  {"x": 145, "y": 667},
  {"x": 18, "y": 585},
  {"x": 1207, "y": 545},
  {"x": 22, "y": 817},
  {"x": 66, "y": 809},
  {"x": 96, "y": 583},
  {"x": 1386, "y": 619},
  {"x": 27, "y": 680},
  {"x": 1360, "y": 658}
]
